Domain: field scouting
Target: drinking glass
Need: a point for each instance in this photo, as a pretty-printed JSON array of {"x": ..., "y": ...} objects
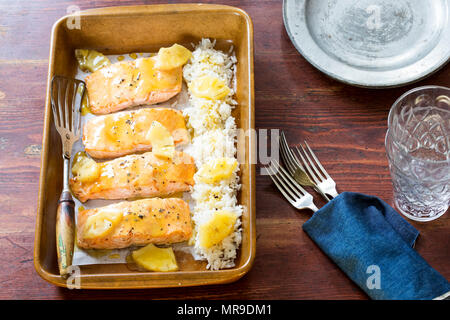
[{"x": 418, "y": 149}]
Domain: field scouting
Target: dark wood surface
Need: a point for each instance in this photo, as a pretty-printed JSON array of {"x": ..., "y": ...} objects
[{"x": 345, "y": 125}]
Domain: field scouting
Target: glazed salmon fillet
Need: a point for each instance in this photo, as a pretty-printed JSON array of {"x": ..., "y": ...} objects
[
  {"x": 131, "y": 83},
  {"x": 141, "y": 175},
  {"x": 140, "y": 222},
  {"x": 125, "y": 132}
]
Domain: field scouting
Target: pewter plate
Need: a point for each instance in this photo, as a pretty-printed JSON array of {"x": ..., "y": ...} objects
[{"x": 371, "y": 43}]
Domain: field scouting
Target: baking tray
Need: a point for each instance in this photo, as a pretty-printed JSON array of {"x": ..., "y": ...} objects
[{"x": 122, "y": 30}]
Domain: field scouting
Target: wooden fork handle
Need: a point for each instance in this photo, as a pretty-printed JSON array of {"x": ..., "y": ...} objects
[{"x": 65, "y": 232}]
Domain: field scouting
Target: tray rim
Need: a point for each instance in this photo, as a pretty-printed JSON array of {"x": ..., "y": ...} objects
[{"x": 208, "y": 277}]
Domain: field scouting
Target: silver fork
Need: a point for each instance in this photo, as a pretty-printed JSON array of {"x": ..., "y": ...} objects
[
  {"x": 317, "y": 172},
  {"x": 67, "y": 119},
  {"x": 295, "y": 168},
  {"x": 290, "y": 189}
]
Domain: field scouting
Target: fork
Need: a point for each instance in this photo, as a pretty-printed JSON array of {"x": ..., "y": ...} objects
[
  {"x": 317, "y": 172},
  {"x": 64, "y": 92},
  {"x": 290, "y": 189},
  {"x": 295, "y": 168}
]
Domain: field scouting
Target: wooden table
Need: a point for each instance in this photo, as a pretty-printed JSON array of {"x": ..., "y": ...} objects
[{"x": 345, "y": 125}]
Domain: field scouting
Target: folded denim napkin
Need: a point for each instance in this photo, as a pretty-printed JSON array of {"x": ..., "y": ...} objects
[{"x": 373, "y": 245}]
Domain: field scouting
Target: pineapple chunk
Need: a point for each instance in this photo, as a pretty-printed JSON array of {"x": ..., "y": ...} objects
[
  {"x": 85, "y": 105},
  {"x": 209, "y": 87},
  {"x": 153, "y": 258},
  {"x": 216, "y": 229},
  {"x": 216, "y": 170},
  {"x": 84, "y": 168},
  {"x": 173, "y": 57},
  {"x": 100, "y": 224},
  {"x": 84, "y": 102},
  {"x": 161, "y": 140},
  {"x": 90, "y": 60}
]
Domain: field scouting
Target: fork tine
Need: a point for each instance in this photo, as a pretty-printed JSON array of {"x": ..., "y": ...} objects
[
  {"x": 74, "y": 111},
  {"x": 291, "y": 157},
  {"x": 66, "y": 96},
  {"x": 61, "y": 110},
  {"x": 287, "y": 186},
  {"x": 274, "y": 176},
  {"x": 53, "y": 103},
  {"x": 280, "y": 188},
  {"x": 314, "y": 167},
  {"x": 72, "y": 107},
  {"x": 296, "y": 160},
  {"x": 289, "y": 180},
  {"x": 78, "y": 111},
  {"x": 317, "y": 161},
  {"x": 290, "y": 166},
  {"x": 61, "y": 102},
  {"x": 66, "y": 107},
  {"x": 308, "y": 168}
]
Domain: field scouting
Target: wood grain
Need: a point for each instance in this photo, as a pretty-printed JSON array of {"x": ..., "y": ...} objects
[{"x": 345, "y": 126}]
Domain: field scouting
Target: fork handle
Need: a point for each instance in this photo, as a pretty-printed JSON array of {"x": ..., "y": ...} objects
[{"x": 65, "y": 232}]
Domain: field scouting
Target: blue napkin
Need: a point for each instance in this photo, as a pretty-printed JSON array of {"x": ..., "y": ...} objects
[{"x": 373, "y": 245}]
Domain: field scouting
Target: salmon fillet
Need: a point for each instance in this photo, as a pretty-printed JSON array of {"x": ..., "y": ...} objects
[
  {"x": 159, "y": 221},
  {"x": 143, "y": 175},
  {"x": 131, "y": 83},
  {"x": 125, "y": 132}
]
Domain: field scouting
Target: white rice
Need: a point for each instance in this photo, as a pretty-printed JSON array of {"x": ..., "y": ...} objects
[{"x": 214, "y": 136}]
